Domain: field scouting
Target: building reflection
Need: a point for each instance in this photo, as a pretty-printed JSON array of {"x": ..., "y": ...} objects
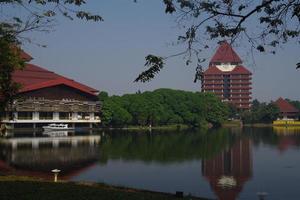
[
  {"x": 37, "y": 156},
  {"x": 228, "y": 172}
]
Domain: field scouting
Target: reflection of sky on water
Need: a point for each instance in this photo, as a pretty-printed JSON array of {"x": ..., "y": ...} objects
[
  {"x": 256, "y": 160},
  {"x": 151, "y": 176}
]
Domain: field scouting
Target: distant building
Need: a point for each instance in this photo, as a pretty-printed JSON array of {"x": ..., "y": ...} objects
[
  {"x": 287, "y": 110},
  {"x": 46, "y": 97},
  {"x": 228, "y": 78}
]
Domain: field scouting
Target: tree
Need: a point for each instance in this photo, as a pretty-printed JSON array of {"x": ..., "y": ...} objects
[
  {"x": 103, "y": 96},
  {"x": 277, "y": 23},
  {"x": 261, "y": 113},
  {"x": 9, "y": 61},
  {"x": 164, "y": 107}
]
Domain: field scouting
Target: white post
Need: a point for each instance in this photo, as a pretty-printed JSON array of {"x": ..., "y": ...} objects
[
  {"x": 55, "y": 172},
  {"x": 74, "y": 116},
  {"x": 56, "y": 116},
  {"x": 92, "y": 116}
]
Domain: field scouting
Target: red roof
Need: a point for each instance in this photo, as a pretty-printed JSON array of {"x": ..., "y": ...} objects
[
  {"x": 212, "y": 70},
  {"x": 285, "y": 107},
  {"x": 34, "y": 77},
  {"x": 240, "y": 70},
  {"x": 237, "y": 70},
  {"x": 225, "y": 54},
  {"x": 25, "y": 56}
]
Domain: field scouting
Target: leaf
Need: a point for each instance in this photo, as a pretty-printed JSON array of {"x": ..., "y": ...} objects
[
  {"x": 155, "y": 64},
  {"x": 260, "y": 48}
]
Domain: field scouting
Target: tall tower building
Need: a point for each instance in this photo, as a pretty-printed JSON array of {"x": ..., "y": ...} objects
[{"x": 228, "y": 78}]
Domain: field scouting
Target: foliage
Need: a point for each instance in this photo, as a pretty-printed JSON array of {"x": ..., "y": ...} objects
[
  {"x": 163, "y": 107},
  {"x": 9, "y": 61},
  {"x": 263, "y": 25},
  {"x": 261, "y": 113}
]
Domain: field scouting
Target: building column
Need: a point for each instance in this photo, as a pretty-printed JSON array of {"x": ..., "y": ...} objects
[
  {"x": 36, "y": 116},
  {"x": 92, "y": 116},
  {"x": 74, "y": 116},
  {"x": 55, "y": 116},
  {"x": 15, "y": 115}
]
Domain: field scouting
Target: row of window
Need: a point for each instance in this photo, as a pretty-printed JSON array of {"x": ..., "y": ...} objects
[
  {"x": 220, "y": 90},
  {"x": 50, "y": 115},
  {"x": 232, "y": 84},
  {"x": 227, "y": 75}
]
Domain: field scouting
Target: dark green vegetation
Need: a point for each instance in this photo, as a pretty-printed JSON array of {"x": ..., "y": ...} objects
[
  {"x": 13, "y": 188},
  {"x": 163, "y": 107},
  {"x": 260, "y": 113},
  {"x": 9, "y": 61}
]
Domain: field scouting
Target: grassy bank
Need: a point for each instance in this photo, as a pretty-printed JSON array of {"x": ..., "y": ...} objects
[
  {"x": 232, "y": 123},
  {"x": 22, "y": 188},
  {"x": 164, "y": 127}
]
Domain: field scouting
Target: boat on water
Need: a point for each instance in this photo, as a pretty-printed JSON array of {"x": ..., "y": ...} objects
[{"x": 57, "y": 127}]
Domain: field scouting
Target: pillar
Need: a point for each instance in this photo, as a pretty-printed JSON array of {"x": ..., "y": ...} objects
[{"x": 56, "y": 116}]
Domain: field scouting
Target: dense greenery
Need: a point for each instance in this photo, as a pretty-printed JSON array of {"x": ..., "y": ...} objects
[
  {"x": 9, "y": 61},
  {"x": 163, "y": 107},
  {"x": 261, "y": 113}
]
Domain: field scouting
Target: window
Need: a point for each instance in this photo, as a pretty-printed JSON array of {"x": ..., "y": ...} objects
[
  {"x": 84, "y": 116},
  {"x": 25, "y": 115},
  {"x": 46, "y": 115},
  {"x": 65, "y": 115}
]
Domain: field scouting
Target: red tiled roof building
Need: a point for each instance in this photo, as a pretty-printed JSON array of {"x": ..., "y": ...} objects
[
  {"x": 228, "y": 78},
  {"x": 46, "y": 97},
  {"x": 287, "y": 110}
]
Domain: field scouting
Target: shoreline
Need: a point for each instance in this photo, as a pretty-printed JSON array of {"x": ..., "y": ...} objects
[{"x": 22, "y": 187}]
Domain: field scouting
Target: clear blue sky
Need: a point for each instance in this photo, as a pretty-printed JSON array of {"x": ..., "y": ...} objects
[{"x": 109, "y": 55}]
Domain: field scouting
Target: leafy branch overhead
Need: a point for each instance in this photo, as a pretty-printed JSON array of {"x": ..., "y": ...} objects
[
  {"x": 42, "y": 13},
  {"x": 263, "y": 25},
  {"x": 155, "y": 64}
]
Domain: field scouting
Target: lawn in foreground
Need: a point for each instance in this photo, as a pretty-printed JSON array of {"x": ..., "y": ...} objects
[{"x": 12, "y": 188}]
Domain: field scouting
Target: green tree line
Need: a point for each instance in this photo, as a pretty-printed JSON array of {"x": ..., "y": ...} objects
[
  {"x": 261, "y": 113},
  {"x": 162, "y": 107}
]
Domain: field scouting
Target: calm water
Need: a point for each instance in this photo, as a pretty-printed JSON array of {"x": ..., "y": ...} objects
[{"x": 223, "y": 164}]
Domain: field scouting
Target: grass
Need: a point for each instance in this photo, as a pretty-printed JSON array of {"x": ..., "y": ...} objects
[
  {"x": 23, "y": 188},
  {"x": 163, "y": 127}
]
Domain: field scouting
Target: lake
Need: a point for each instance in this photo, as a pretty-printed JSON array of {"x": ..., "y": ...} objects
[{"x": 225, "y": 164}]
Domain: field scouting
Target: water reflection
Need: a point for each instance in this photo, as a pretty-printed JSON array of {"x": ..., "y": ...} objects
[
  {"x": 224, "y": 163},
  {"x": 228, "y": 171},
  {"x": 37, "y": 156}
]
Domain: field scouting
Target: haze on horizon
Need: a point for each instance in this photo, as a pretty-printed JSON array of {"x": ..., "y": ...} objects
[{"x": 109, "y": 55}]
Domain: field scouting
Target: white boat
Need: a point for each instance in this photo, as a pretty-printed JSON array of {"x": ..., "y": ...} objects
[{"x": 57, "y": 127}]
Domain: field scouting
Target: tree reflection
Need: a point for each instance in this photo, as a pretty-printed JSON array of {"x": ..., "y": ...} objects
[{"x": 166, "y": 147}]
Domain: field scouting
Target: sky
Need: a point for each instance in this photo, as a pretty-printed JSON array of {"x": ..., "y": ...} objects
[{"x": 109, "y": 55}]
